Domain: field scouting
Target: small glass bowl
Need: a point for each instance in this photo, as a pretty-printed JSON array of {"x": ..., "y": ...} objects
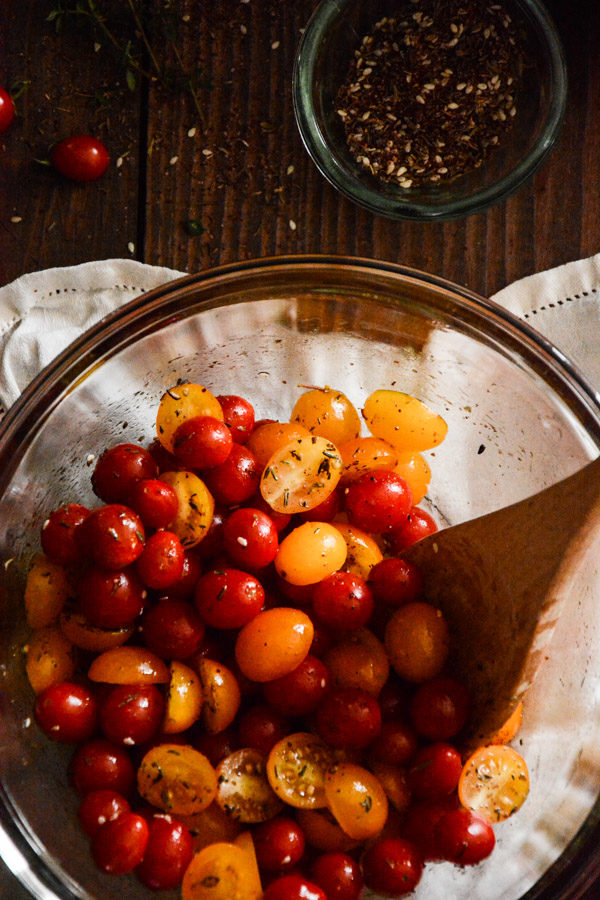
[{"x": 336, "y": 30}]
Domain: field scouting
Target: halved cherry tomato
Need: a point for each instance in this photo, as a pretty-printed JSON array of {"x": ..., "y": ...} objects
[
  {"x": 297, "y": 767},
  {"x": 221, "y": 871},
  {"x": 184, "y": 699},
  {"x": 327, "y": 413},
  {"x": 362, "y": 552},
  {"x": 182, "y": 402},
  {"x": 46, "y": 592},
  {"x": 494, "y": 782},
  {"x": 195, "y": 510},
  {"x": 83, "y": 634},
  {"x": 243, "y": 791},
  {"x": 221, "y": 695},
  {"x": 301, "y": 475},
  {"x": 177, "y": 779},
  {"x": 49, "y": 658},
  {"x": 357, "y": 800}
]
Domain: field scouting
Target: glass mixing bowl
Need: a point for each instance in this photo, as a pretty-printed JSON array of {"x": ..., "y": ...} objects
[{"x": 519, "y": 417}]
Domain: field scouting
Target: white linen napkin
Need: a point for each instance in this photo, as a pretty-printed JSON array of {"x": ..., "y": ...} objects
[{"x": 42, "y": 312}]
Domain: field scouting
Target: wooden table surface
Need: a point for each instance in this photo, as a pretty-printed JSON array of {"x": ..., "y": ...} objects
[{"x": 238, "y": 169}]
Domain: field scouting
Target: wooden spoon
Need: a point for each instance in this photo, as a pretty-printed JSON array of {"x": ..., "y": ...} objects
[{"x": 501, "y": 581}]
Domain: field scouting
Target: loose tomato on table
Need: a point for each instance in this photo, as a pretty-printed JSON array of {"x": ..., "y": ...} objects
[
  {"x": 7, "y": 109},
  {"x": 80, "y": 157}
]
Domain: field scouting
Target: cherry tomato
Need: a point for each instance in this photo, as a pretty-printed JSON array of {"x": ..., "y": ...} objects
[
  {"x": 343, "y": 601},
  {"x": 356, "y": 798},
  {"x": 394, "y": 782},
  {"x": 261, "y": 727},
  {"x": 349, "y": 718},
  {"x": 326, "y": 511},
  {"x": 322, "y": 832},
  {"x": 59, "y": 541},
  {"x": 250, "y": 538},
  {"x": 195, "y": 507},
  {"x": 228, "y": 598},
  {"x": 273, "y": 643},
  {"x": 358, "y": 660},
  {"x": 177, "y": 779},
  {"x": 243, "y": 790},
  {"x": 119, "y": 845},
  {"x": 98, "y": 807},
  {"x": 378, "y": 500},
  {"x": 238, "y": 415},
  {"x": 118, "y": 469},
  {"x": 80, "y": 157},
  {"x": 395, "y": 581},
  {"x": 184, "y": 699},
  {"x": 46, "y": 592},
  {"x": 297, "y": 767},
  {"x": 269, "y": 437},
  {"x": 184, "y": 587},
  {"x": 279, "y": 520},
  {"x": 221, "y": 693},
  {"x": 403, "y": 421},
  {"x": 160, "y": 564},
  {"x": 112, "y": 536},
  {"x": 366, "y": 454},
  {"x": 7, "y": 109},
  {"x": 327, "y": 413},
  {"x": 339, "y": 875},
  {"x": 110, "y": 599},
  {"x": 293, "y": 887},
  {"x": 300, "y": 692},
  {"x": 216, "y": 746},
  {"x": 129, "y": 664},
  {"x": 202, "y": 442},
  {"x": 465, "y": 838},
  {"x": 172, "y": 629},
  {"x": 154, "y": 501},
  {"x": 66, "y": 712},
  {"x": 131, "y": 713},
  {"x": 394, "y": 698},
  {"x": 221, "y": 871},
  {"x": 362, "y": 551},
  {"x": 168, "y": 853},
  {"x": 434, "y": 771},
  {"x": 417, "y": 641},
  {"x": 439, "y": 708},
  {"x": 99, "y": 764},
  {"x": 182, "y": 402},
  {"x": 50, "y": 657},
  {"x": 279, "y": 844},
  {"x": 311, "y": 552},
  {"x": 494, "y": 782},
  {"x": 396, "y": 744},
  {"x": 301, "y": 474},
  {"x": 413, "y": 467},
  {"x": 418, "y": 525},
  {"x": 235, "y": 480},
  {"x": 392, "y": 867},
  {"x": 420, "y": 821}
]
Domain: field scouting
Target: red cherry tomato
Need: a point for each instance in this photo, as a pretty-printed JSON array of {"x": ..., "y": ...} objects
[
  {"x": 420, "y": 821},
  {"x": 160, "y": 564},
  {"x": 293, "y": 887},
  {"x": 154, "y": 501},
  {"x": 110, "y": 599},
  {"x": 279, "y": 844},
  {"x": 325, "y": 511},
  {"x": 394, "y": 698},
  {"x": 250, "y": 538},
  {"x": 343, "y": 601},
  {"x": 465, "y": 838},
  {"x": 378, "y": 500},
  {"x": 101, "y": 806},
  {"x": 118, "y": 469},
  {"x": 131, "y": 713},
  {"x": 184, "y": 587},
  {"x": 7, "y": 109},
  {"x": 300, "y": 692},
  {"x": 238, "y": 415},
  {"x": 101, "y": 764},
  {"x": 168, "y": 853},
  {"x": 439, "y": 708},
  {"x": 66, "y": 712},
  {"x": 392, "y": 866},
  {"x": 261, "y": 727},
  {"x": 418, "y": 525},
  {"x": 339, "y": 875},
  {"x": 235, "y": 480},
  {"x": 228, "y": 598},
  {"x": 112, "y": 536},
  {"x": 172, "y": 629},
  {"x": 434, "y": 771},
  {"x": 396, "y": 744},
  {"x": 59, "y": 541},
  {"x": 216, "y": 746},
  {"x": 202, "y": 442},
  {"x": 80, "y": 157},
  {"x": 349, "y": 718},
  {"x": 119, "y": 846},
  {"x": 395, "y": 581}
]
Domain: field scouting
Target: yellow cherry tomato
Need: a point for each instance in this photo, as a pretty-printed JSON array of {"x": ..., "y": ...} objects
[
  {"x": 210, "y": 825},
  {"x": 403, "y": 421},
  {"x": 327, "y": 413},
  {"x": 129, "y": 665},
  {"x": 494, "y": 782},
  {"x": 273, "y": 643},
  {"x": 269, "y": 438},
  {"x": 221, "y": 693},
  {"x": 50, "y": 658},
  {"x": 182, "y": 402},
  {"x": 220, "y": 871},
  {"x": 301, "y": 474},
  {"x": 81, "y": 633},
  {"x": 311, "y": 552},
  {"x": 358, "y": 660},
  {"x": 246, "y": 842},
  {"x": 362, "y": 552},
  {"x": 417, "y": 641},
  {"x": 196, "y": 507},
  {"x": 413, "y": 467},
  {"x": 357, "y": 800},
  {"x": 364, "y": 454},
  {"x": 184, "y": 699},
  {"x": 177, "y": 779},
  {"x": 46, "y": 591},
  {"x": 297, "y": 767},
  {"x": 243, "y": 790}
]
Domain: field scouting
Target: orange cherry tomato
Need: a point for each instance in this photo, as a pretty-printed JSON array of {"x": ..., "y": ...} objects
[
  {"x": 182, "y": 402},
  {"x": 221, "y": 693},
  {"x": 246, "y": 842},
  {"x": 403, "y": 421},
  {"x": 301, "y": 474},
  {"x": 50, "y": 658},
  {"x": 244, "y": 791},
  {"x": 184, "y": 699},
  {"x": 327, "y": 413},
  {"x": 297, "y": 767},
  {"x": 177, "y": 779},
  {"x": 269, "y": 438},
  {"x": 494, "y": 782},
  {"x": 273, "y": 643},
  {"x": 358, "y": 660},
  {"x": 210, "y": 825},
  {"x": 417, "y": 641},
  {"x": 323, "y": 833},
  {"x": 46, "y": 591},
  {"x": 129, "y": 665},
  {"x": 81, "y": 633},
  {"x": 196, "y": 507},
  {"x": 394, "y": 782},
  {"x": 364, "y": 454},
  {"x": 362, "y": 552},
  {"x": 311, "y": 552},
  {"x": 221, "y": 871},
  {"x": 357, "y": 800},
  {"x": 413, "y": 467}
]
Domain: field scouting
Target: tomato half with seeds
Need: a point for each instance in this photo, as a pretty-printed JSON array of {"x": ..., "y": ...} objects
[
  {"x": 494, "y": 782},
  {"x": 301, "y": 475},
  {"x": 80, "y": 157},
  {"x": 243, "y": 790},
  {"x": 357, "y": 800},
  {"x": 177, "y": 779},
  {"x": 297, "y": 767}
]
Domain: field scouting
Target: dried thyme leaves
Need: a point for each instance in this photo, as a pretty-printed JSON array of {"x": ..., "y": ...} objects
[{"x": 431, "y": 91}]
